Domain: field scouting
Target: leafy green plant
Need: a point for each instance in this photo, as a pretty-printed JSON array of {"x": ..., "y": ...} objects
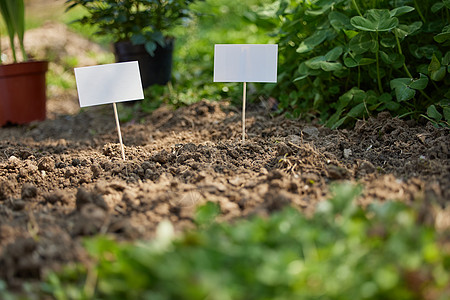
[
  {"x": 341, "y": 252},
  {"x": 146, "y": 22},
  {"x": 13, "y": 13},
  {"x": 348, "y": 59}
]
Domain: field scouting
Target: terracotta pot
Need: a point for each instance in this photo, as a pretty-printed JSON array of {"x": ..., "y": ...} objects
[
  {"x": 155, "y": 69},
  {"x": 22, "y": 92}
]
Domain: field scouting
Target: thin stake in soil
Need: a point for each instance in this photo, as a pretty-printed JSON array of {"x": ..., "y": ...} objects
[
  {"x": 116, "y": 115},
  {"x": 244, "y": 97}
]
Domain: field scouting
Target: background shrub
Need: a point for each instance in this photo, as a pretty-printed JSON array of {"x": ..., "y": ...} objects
[{"x": 348, "y": 59}]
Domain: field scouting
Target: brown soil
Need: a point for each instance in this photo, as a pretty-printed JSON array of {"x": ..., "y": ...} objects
[{"x": 64, "y": 179}]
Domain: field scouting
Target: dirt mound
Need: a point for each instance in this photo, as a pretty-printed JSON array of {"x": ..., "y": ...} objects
[{"x": 63, "y": 179}]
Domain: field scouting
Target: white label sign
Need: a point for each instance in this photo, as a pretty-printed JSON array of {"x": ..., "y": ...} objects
[
  {"x": 109, "y": 83},
  {"x": 245, "y": 63}
]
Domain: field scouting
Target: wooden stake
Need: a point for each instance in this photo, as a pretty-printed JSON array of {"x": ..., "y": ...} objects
[
  {"x": 244, "y": 97},
  {"x": 116, "y": 115}
]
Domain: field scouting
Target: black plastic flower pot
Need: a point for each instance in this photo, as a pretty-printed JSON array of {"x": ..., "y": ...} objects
[{"x": 156, "y": 69}]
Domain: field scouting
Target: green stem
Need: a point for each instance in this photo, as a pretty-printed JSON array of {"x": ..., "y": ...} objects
[
  {"x": 419, "y": 11},
  {"x": 13, "y": 48},
  {"x": 380, "y": 87},
  {"x": 357, "y": 8},
  {"x": 359, "y": 77},
  {"x": 401, "y": 53},
  {"x": 24, "y": 53},
  {"x": 406, "y": 68}
]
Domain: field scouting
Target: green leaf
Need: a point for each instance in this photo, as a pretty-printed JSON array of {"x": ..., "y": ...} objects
[
  {"x": 314, "y": 63},
  {"x": 402, "y": 90},
  {"x": 334, "y": 53},
  {"x": 377, "y": 20},
  {"x": 339, "y": 123},
  {"x": 442, "y": 37},
  {"x": 439, "y": 74},
  {"x": 433, "y": 113},
  {"x": 339, "y": 21},
  {"x": 446, "y": 59},
  {"x": 312, "y": 41},
  {"x": 446, "y": 3},
  {"x": 419, "y": 84},
  {"x": 330, "y": 66},
  {"x": 150, "y": 47},
  {"x": 350, "y": 33},
  {"x": 437, "y": 6},
  {"x": 434, "y": 64},
  {"x": 357, "y": 111},
  {"x": 350, "y": 62},
  {"x": 362, "y": 43},
  {"x": 446, "y": 111},
  {"x": 400, "y": 11},
  {"x": 358, "y": 60}
]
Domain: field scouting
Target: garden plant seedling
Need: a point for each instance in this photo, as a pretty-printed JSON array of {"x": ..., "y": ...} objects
[
  {"x": 99, "y": 84},
  {"x": 245, "y": 63}
]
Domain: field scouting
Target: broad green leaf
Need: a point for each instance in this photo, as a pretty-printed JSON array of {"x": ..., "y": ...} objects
[
  {"x": 439, "y": 74},
  {"x": 362, "y": 43},
  {"x": 388, "y": 41},
  {"x": 357, "y": 111},
  {"x": 442, "y": 37},
  {"x": 394, "y": 59},
  {"x": 350, "y": 33},
  {"x": 366, "y": 61},
  {"x": 334, "y": 53},
  {"x": 377, "y": 20},
  {"x": 310, "y": 42},
  {"x": 385, "y": 97},
  {"x": 318, "y": 12},
  {"x": 404, "y": 93},
  {"x": 419, "y": 84},
  {"x": 315, "y": 63},
  {"x": 330, "y": 66},
  {"x": 414, "y": 27},
  {"x": 338, "y": 21},
  {"x": 446, "y": 3},
  {"x": 402, "y": 90},
  {"x": 434, "y": 64},
  {"x": 446, "y": 112},
  {"x": 138, "y": 39},
  {"x": 392, "y": 106},
  {"x": 400, "y": 11},
  {"x": 433, "y": 113},
  {"x": 303, "y": 69},
  {"x": 150, "y": 47},
  {"x": 350, "y": 62},
  {"x": 437, "y": 6},
  {"x": 446, "y": 59}
]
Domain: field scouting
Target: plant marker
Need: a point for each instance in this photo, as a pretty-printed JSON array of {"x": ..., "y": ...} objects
[
  {"x": 99, "y": 84},
  {"x": 245, "y": 63},
  {"x": 244, "y": 98},
  {"x": 116, "y": 115}
]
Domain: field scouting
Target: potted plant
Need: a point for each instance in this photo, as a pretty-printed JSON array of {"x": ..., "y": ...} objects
[
  {"x": 139, "y": 30},
  {"x": 22, "y": 84}
]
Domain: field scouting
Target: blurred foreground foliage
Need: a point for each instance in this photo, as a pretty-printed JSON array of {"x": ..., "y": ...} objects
[{"x": 341, "y": 252}]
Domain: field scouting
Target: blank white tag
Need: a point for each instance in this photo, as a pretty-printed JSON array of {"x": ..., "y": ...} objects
[
  {"x": 245, "y": 63},
  {"x": 109, "y": 83}
]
